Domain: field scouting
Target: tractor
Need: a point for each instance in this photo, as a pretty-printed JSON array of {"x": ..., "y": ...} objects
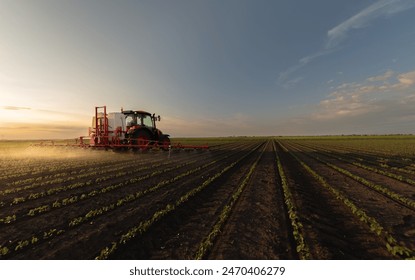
[
  {"x": 125, "y": 130},
  {"x": 141, "y": 129},
  {"x": 134, "y": 129}
]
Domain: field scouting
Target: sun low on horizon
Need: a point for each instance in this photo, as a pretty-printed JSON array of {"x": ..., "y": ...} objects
[{"x": 26, "y": 123}]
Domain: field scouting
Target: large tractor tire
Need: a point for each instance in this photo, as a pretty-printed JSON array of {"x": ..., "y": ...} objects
[
  {"x": 143, "y": 139},
  {"x": 164, "y": 143}
]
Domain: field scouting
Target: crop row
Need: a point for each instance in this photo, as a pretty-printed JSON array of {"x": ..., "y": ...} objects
[
  {"x": 134, "y": 196},
  {"x": 367, "y": 164},
  {"x": 96, "y": 172},
  {"x": 298, "y": 229},
  {"x": 34, "y": 239},
  {"x": 49, "y": 169},
  {"x": 37, "y": 166},
  {"x": 376, "y": 187},
  {"x": 384, "y": 150},
  {"x": 102, "y": 210},
  {"x": 65, "y": 176},
  {"x": 72, "y": 199},
  {"x": 391, "y": 243},
  {"x": 379, "y": 188},
  {"x": 29, "y": 170},
  {"x": 111, "y": 174},
  {"x": 207, "y": 243},
  {"x": 74, "y": 222},
  {"x": 143, "y": 226},
  {"x": 75, "y": 198}
]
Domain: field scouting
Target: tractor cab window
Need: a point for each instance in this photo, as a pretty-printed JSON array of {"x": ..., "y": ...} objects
[
  {"x": 130, "y": 120},
  {"x": 147, "y": 121}
]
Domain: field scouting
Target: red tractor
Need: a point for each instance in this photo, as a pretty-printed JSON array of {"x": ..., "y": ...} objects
[
  {"x": 141, "y": 130},
  {"x": 133, "y": 129},
  {"x": 125, "y": 130}
]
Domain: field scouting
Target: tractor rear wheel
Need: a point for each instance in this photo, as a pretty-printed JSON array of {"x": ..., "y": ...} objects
[{"x": 143, "y": 139}]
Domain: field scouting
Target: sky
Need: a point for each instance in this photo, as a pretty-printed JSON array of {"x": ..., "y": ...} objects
[{"x": 209, "y": 67}]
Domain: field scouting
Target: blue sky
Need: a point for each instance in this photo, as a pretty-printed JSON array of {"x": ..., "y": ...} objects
[{"x": 209, "y": 68}]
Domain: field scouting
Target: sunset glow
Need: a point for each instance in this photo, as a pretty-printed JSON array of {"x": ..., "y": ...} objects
[{"x": 209, "y": 68}]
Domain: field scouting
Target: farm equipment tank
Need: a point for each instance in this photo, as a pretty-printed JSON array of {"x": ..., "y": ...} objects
[{"x": 136, "y": 129}]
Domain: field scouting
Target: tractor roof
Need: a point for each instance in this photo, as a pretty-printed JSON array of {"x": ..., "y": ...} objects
[{"x": 127, "y": 112}]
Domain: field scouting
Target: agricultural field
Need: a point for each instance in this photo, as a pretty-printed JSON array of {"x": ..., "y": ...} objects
[{"x": 244, "y": 198}]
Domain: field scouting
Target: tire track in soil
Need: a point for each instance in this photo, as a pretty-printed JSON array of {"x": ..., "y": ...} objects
[
  {"x": 397, "y": 219},
  {"x": 330, "y": 229},
  {"x": 85, "y": 241},
  {"x": 178, "y": 235},
  {"x": 258, "y": 227}
]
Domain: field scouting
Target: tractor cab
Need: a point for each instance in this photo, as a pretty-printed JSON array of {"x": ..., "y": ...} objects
[
  {"x": 141, "y": 129},
  {"x": 133, "y": 119}
]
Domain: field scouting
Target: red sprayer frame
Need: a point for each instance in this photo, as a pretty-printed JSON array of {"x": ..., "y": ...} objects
[{"x": 101, "y": 137}]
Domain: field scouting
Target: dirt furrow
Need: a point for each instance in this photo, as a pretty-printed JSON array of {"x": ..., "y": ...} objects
[
  {"x": 395, "y": 218},
  {"x": 91, "y": 236},
  {"x": 258, "y": 227},
  {"x": 331, "y": 229},
  {"x": 178, "y": 235},
  {"x": 403, "y": 188}
]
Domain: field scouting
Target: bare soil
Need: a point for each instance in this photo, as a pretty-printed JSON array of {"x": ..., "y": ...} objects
[{"x": 258, "y": 226}]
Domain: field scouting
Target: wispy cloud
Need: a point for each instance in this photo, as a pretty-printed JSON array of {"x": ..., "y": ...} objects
[
  {"x": 15, "y": 108},
  {"x": 284, "y": 77},
  {"x": 369, "y": 96},
  {"x": 40, "y": 110},
  {"x": 380, "y": 104},
  {"x": 380, "y": 9},
  {"x": 384, "y": 77},
  {"x": 407, "y": 79}
]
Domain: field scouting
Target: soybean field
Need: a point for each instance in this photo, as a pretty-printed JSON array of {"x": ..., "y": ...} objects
[{"x": 343, "y": 197}]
